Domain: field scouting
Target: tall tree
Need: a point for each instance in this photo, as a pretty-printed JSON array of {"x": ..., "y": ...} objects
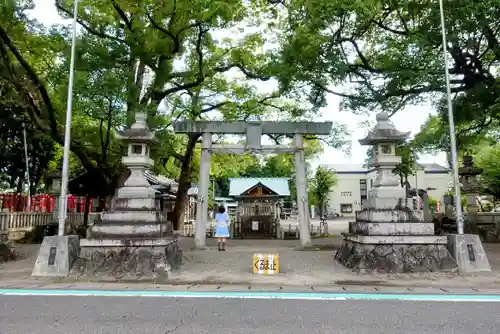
[
  {"x": 321, "y": 185},
  {"x": 388, "y": 55},
  {"x": 489, "y": 160},
  {"x": 14, "y": 130},
  {"x": 139, "y": 41}
]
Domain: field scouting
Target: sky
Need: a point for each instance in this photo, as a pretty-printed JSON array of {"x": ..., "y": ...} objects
[{"x": 410, "y": 119}]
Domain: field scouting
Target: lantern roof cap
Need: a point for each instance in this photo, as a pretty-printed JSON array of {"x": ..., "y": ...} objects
[
  {"x": 138, "y": 132},
  {"x": 384, "y": 132}
]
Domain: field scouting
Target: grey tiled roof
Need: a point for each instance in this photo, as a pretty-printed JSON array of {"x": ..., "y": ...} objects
[{"x": 433, "y": 167}]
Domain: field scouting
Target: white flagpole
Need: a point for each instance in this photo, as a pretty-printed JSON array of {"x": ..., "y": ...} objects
[
  {"x": 67, "y": 134},
  {"x": 454, "y": 155}
]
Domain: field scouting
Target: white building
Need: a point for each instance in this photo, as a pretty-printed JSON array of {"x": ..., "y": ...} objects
[{"x": 354, "y": 181}]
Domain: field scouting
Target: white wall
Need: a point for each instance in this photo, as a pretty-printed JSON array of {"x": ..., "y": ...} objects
[
  {"x": 439, "y": 181},
  {"x": 347, "y": 189}
]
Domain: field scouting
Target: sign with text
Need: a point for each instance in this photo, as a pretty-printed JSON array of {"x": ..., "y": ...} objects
[
  {"x": 52, "y": 256},
  {"x": 255, "y": 226},
  {"x": 266, "y": 264}
]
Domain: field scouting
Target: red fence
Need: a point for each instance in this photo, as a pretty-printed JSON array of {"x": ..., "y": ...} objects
[{"x": 40, "y": 203}]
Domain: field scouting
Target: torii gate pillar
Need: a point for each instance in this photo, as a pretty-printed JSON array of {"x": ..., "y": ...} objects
[{"x": 253, "y": 132}]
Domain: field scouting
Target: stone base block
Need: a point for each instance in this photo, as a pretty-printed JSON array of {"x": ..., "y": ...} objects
[
  {"x": 395, "y": 258},
  {"x": 396, "y": 239},
  {"x": 6, "y": 253},
  {"x": 134, "y": 216},
  {"x": 385, "y": 203},
  {"x": 135, "y": 193},
  {"x": 56, "y": 256},
  {"x": 127, "y": 259},
  {"x": 106, "y": 230},
  {"x": 389, "y": 215},
  {"x": 468, "y": 252},
  {"x": 369, "y": 228},
  {"x": 143, "y": 204}
]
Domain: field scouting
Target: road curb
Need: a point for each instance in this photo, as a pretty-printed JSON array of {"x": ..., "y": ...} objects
[
  {"x": 428, "y": 297},
  {"x": 254, "y": 288}
]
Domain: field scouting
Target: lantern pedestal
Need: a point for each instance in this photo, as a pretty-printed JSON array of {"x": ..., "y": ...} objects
[
  {"x": 387, "y": 236},
  {"x": 134, "y": 240}
]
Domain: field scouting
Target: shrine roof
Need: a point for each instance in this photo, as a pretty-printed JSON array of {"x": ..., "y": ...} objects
[{"x": 238, "y": 186}]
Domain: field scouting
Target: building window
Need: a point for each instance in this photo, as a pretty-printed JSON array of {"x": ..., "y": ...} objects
[
  {"x": 362, "y": 188},
  {"x": 371, "y": 183},
  {"x": 346, "y": 208},
  {"x": 346, "y": 193}
]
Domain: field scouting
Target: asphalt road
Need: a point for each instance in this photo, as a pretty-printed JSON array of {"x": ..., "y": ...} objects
[{"x": 50, "y": 314}]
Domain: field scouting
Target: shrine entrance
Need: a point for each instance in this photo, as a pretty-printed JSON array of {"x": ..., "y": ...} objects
[
  {"x": 258, "y": 211},
  {"x": 253, "y": 131}
]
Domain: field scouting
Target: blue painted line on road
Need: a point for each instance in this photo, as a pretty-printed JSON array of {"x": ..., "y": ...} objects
[{"x": 254, "y": 295}]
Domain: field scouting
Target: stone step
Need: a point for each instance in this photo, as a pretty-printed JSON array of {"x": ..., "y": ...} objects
[
  {"x": 133, "y": 216},
  {"x": 399, "y": 228},
  {"x": 396, "y": 239},
  {"x": 137, "y": 230},
  {"x": 389, "y": 215}
]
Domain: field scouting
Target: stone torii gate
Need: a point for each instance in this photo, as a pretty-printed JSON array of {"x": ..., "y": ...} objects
[{"x": 253, "y": 131}]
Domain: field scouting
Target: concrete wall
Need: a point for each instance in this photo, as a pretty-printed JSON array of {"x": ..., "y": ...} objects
[
  {"x": 347, "y": 191},
  {"x": 441, "y": 182},
  {"x": 486, "y": 217}
]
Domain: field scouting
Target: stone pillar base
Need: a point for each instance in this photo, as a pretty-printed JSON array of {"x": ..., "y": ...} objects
[
  {"x": 468, "y": 252},
  {"x": 114, "y": 260},
  {"x": 56, "y": 256},
  {"x": 401, "y": 255}
]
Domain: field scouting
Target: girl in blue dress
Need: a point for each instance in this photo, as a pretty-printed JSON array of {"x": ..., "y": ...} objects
[{"x": 222, "y": 228}]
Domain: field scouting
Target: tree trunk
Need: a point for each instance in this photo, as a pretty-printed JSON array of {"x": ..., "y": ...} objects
[
  {"x": 101, "y": 205},
  {"x": 86, "y": 212},
  {"x": 184, "y": 181}
]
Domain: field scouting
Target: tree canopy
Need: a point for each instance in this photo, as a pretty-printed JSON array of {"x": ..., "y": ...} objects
[
  {"x": 389, "y": 54},
  {"x": 321, "y": 185},
  {"x": 175, "y": 61}
]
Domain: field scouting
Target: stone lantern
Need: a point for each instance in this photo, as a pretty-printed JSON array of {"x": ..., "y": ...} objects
[
  {"x": 138, "y": 139},
  {"x": 384, "y": 137},
  {"x": 387, "y": 236},
  {"x": 55, "y": 179},
  {"x": 135, "y": 235},
  {"x": 468, "y": 174}
]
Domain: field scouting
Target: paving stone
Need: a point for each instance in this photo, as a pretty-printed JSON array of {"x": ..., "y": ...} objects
[
  {"x": 234, "y": 287},
  {"x": 202, "y": 287},
  {"x": 296, "y": 288},
  {"x": 264, "y": 288},
  {"x": 57, "y": 286},
  {"x": 328, "y": 288}
]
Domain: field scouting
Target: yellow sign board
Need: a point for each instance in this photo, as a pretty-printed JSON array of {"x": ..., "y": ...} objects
[{"x": 266, "y": 264}]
